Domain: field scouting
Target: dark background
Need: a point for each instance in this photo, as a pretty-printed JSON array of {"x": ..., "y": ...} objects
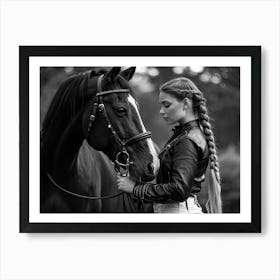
[{"x": 220, "y": 86}]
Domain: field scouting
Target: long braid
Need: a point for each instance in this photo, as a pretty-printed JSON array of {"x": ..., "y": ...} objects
[
  {"x": 200, "y": 104},
  {"x": 214, "y": 203}
]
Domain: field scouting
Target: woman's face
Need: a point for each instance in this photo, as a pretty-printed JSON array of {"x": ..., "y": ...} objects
[{"x": 171, "y": 109}]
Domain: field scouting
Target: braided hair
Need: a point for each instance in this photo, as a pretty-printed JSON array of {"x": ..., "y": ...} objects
[{"x": 181, "y": 88}]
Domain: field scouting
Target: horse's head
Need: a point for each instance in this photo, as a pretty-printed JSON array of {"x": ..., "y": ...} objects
[{"x": 112, "y": 124}]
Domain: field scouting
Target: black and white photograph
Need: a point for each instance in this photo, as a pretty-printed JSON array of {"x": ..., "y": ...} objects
[
  {"x": 165, "y": 137},
  {"x": 127, "y": 120}
]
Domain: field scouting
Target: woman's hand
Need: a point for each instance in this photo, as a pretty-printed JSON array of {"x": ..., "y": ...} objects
[{"x": 125, "y": 184}]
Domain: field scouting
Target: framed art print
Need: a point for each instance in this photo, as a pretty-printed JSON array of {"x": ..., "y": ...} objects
[{"x": 94, "y": 116}]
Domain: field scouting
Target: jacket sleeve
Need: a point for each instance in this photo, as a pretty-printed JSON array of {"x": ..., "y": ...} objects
[{"x": 184, "y": 165}]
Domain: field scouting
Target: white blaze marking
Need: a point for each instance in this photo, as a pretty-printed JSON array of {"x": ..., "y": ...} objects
[{"x": 149, "y": 140}]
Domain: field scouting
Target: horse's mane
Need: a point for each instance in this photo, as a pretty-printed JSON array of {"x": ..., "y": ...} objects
[
  {"x": 64, "y": 103},
  {"x": 58, "y": 116}
]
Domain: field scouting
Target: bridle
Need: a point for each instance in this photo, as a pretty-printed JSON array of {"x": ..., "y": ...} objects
[{"x": 120, "y": 167}]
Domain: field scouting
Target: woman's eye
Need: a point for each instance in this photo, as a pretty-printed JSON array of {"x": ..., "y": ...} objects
[{"x": 166, "y": 105}]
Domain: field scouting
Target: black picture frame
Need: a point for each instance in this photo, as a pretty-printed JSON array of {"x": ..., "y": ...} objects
[{"x": 254, "y": 52}]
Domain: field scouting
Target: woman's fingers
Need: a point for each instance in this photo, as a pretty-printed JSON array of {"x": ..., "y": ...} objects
[{"x": 125, "y": 184}]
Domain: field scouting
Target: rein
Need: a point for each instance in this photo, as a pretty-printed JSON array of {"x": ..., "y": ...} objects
[
  {"x": 118, "y": 165},
  {"x": 80, "y": 195}
]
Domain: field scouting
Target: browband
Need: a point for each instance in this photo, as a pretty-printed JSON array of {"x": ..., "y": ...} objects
[{"x": 113, "y": 91}]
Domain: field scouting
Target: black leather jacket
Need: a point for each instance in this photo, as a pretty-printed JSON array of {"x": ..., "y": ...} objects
[{"x": 183, "y": 162}]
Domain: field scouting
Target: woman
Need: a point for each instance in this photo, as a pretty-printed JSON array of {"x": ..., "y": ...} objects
[{"x": 185, "y": 157}]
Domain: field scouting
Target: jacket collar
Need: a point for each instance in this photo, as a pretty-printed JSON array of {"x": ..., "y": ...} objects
[{"x": 185, "y": 127}]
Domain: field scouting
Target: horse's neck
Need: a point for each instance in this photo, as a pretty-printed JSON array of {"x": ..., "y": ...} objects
[
  {"x": 66, "y": 152},
  {"x": 96, "y": 170},
  {"x": 87, "y": 164}
]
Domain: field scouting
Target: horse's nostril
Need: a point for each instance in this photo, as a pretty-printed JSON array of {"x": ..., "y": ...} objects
[{"x": 151, "y": 167}]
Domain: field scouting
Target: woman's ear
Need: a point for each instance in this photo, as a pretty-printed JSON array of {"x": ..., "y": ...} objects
[{"x": 187, "y": 103}]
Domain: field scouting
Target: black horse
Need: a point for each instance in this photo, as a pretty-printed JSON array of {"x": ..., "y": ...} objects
[{"x": 93, "y": 129}]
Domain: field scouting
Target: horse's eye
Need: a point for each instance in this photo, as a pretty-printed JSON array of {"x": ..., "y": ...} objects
[{"x": 121, "y": 111}]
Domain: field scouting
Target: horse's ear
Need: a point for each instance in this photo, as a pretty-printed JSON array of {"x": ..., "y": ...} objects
[
  {"x": 112, "y": 74},
  {"x": 128, "y": 73}
]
